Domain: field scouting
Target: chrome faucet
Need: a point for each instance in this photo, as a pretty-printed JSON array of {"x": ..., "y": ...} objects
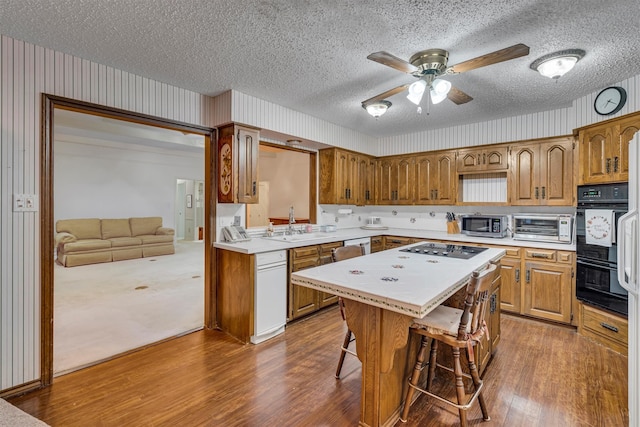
[{"x": 291, "y": 220}]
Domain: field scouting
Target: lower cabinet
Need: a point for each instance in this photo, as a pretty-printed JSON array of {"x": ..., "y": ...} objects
[
  {"x": 492, "y": 336},
  {"x": 303, "y": 301},
  {"x": 391, "y": 242},
  {"x": 377, "y": 244},
  {"x": 603, "y": 327}
]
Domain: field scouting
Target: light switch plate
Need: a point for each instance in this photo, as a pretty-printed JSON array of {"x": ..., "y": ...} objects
[{"x": 25, "y": 203}]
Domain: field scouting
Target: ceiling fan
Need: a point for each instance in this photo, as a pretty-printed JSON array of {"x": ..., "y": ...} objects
[{"x": 428, "y": 65}]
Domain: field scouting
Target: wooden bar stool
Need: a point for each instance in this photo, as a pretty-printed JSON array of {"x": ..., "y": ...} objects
[
  {"x": 458, "y": 329},
  {"x": 340, "y": 254}
]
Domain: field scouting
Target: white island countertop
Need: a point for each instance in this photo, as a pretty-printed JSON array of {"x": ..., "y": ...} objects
[{"x": 403, "y": 282}]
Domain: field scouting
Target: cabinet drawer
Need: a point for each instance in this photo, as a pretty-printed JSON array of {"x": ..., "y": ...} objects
[
  {"x": 604, "y": 325},
  {"x": 394, "y": 242},
  {"x": 325, "y": 248},
  {"x": 512, "y": 252},
  {"x": 540, "y": 254},
  {"x": 306, "y": 251},
  {"x": 305, "y": 263}
]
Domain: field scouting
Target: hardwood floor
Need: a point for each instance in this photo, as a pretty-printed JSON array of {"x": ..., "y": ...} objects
[{"x": 542, "y": 375}]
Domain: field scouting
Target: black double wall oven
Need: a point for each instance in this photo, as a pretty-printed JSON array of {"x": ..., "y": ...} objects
[{"x": 597, "y": 274}]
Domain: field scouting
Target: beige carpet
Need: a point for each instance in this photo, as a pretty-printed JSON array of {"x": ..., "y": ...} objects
[
  {"x": 10, "y": 416},
  {"x": 102, "y": 310}
]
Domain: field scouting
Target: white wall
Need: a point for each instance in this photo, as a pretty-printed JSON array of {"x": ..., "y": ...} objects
[{"x": 115, "y": 180}]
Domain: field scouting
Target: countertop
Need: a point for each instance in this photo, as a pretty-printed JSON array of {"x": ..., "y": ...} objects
[
  {"x": 403, "y": 282},
  {"x": 267, "y": 244}
]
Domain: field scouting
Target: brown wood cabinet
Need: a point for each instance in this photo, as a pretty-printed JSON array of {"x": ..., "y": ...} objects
[
  {"x": 238, "y": 164},
  {"x": 511, "y": 292},
  {"x": 435, "y": 178},
  {"x": 547, "y": 284},
  {"x": 603, "y": 327},
  {"x": 346, "y": 177},
  {"x": 604, "y": 150},
  {"x": 301, "y": 300},
  {"x": 377, "y": 244},
  {"x": 493, "y": 158},
  {"x": 490, "y": 340},
  {"x": 395, "y": 180},
  {"x": 391, "y": 242},
  {"x": 541, "y": 172}
]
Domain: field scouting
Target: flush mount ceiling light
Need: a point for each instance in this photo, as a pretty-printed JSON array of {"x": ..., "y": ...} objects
[
  {"x": 557, "y": 64},
  {"x": 378, "y": 108}
]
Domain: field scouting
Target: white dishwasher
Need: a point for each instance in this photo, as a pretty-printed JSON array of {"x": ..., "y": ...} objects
[
  {"x": 366, "y": 241},
  {"x": 270, "y": 298}
]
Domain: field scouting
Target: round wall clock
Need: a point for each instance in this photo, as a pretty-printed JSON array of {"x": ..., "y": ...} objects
[{"x": 610, "y": 100}]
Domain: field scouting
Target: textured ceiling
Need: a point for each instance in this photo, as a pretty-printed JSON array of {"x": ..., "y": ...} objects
[{"x": 310, "y": 56}]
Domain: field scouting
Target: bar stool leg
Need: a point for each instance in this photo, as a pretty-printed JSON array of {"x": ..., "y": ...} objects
[
  {"x": 476, "y": 383},
  {"x": 461, "y": 395},
  {"x": 415, "y": 377},
  {"x": 343, "y": 353},
  {"x": 432, "y": 363}
]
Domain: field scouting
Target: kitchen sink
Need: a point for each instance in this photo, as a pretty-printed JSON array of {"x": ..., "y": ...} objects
[{"x": 298, "y": 237}]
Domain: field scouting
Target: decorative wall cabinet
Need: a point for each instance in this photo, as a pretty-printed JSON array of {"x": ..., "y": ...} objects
[
  {"x": 238, "y": 164},
  {"x": 541, "y": 172},
  {"x": 484, "y": 159},
  {"x": 346, "y": 178},
  {"x": 604, "y": 150}
]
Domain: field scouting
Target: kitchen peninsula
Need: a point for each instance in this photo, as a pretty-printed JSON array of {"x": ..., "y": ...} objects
[{"x": 383, "y": 292}]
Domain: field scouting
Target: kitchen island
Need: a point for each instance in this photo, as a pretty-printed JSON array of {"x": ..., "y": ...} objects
[{"x": 383, "y": 292}]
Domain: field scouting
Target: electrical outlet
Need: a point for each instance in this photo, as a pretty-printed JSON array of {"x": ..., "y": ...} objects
[{"x": 236, "y": 220}]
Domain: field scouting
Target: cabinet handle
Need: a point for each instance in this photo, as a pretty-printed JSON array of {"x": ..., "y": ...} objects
[
  {"x": 540, "y": 255},
  {"x": 609, "y": 327},
  {"x": 253, "y": 185},
  {"x": 537, "y": 193},
  {"x": 484, "y": 159},
  {"x": 528, "y": 275},
  {"x": 492, "y": 304},
  {"x": 544, "y": 192},
  {"x": 517, "y": 275},
  {"x": 608, "y": 167},
  {"x": 348, "y": 193},
  {"x": 436, "y": 190},
  {"x": 616, "y": 163},
  {"x": 479, "y": 159}
]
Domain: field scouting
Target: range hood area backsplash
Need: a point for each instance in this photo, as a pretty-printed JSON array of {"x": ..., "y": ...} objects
[{"x": 419, "y": 217}]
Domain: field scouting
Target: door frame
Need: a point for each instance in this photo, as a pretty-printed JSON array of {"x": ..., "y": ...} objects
[{"x": 47, "y": 230}]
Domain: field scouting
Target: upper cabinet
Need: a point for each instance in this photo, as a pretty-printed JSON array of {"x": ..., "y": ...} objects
[
  {"x": 435, "y": 178},
  {"x": 484, "y": 159},
  {"x": 346, "y": 177},
  {"x": 395, "y": 180},
  {"x": 238, "y": 164},
  {"x": 604, "y": 150},
  {"x": 541, "y": 172}
]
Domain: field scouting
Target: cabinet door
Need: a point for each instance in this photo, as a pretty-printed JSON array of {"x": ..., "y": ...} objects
[
  {"x": 547, "y": 291},
  {"x": 248, "y": 141},
  {"x": 342, "y": 176},
  {"x": 627, "y": 129},
  {"x": 524, "y": 175},
  {"x": 365, "y": 194},
  {"x": 511, "y": 289},
  {"x": 482, "y": 160},
  {"x": 556, "y": 173},
  {"x": 424, "y": 188},
  {"x": 595, "y": 155},
  {"x": 404, "y": 181},
  {"x": 444, "y": 178},
  {"x": 385, "y": 182}
]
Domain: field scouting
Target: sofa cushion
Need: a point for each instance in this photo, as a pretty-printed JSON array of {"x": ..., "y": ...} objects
[
  {"x": 147, "y": 240},
  {"x": 86, "y": 245},
  {"x": 86, "y": 228},
  {"x": 119, "y": 242},
  {"x": 146, "y": 225},
  {"x": 115, "y": 228}
]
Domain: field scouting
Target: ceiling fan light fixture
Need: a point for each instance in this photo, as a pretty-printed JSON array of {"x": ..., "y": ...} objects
[
  {"x": 439, "y": 90},
  {"x": 416, "y": 90},
  {"x": 378, "y": 108},
  {"x": 557, "y": 64}
]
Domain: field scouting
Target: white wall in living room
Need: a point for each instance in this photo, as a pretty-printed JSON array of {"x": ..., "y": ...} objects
[{"x": 107, "y": 179}]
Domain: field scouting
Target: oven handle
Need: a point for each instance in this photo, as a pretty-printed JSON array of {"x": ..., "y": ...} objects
[
  {"x": 596, "y": 265},
  {"x": 627, "y": 252}
]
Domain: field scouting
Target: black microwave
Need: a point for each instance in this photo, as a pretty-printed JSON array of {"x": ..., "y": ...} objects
[{"x": 484, "y": 225}]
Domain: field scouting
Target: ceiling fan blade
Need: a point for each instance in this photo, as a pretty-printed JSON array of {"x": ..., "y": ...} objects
[
  {"x": 515, "y": 51},
  {"x": 385, "y": 58},
  {"x": 458, "y": 97},
  {"x": 386, "y": 94}
]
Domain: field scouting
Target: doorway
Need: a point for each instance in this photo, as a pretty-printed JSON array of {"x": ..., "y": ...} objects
[
  {"x": 52, "y": 104},
  {"x": 189, "y": 209}
]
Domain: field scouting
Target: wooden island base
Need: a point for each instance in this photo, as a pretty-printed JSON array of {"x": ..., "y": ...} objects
[{"x": 382, "y": 347}]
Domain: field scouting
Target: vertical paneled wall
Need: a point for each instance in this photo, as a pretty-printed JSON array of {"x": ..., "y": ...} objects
[
  {"x": 26, "y": 71},
  {"x": 537, "y": 125}
]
